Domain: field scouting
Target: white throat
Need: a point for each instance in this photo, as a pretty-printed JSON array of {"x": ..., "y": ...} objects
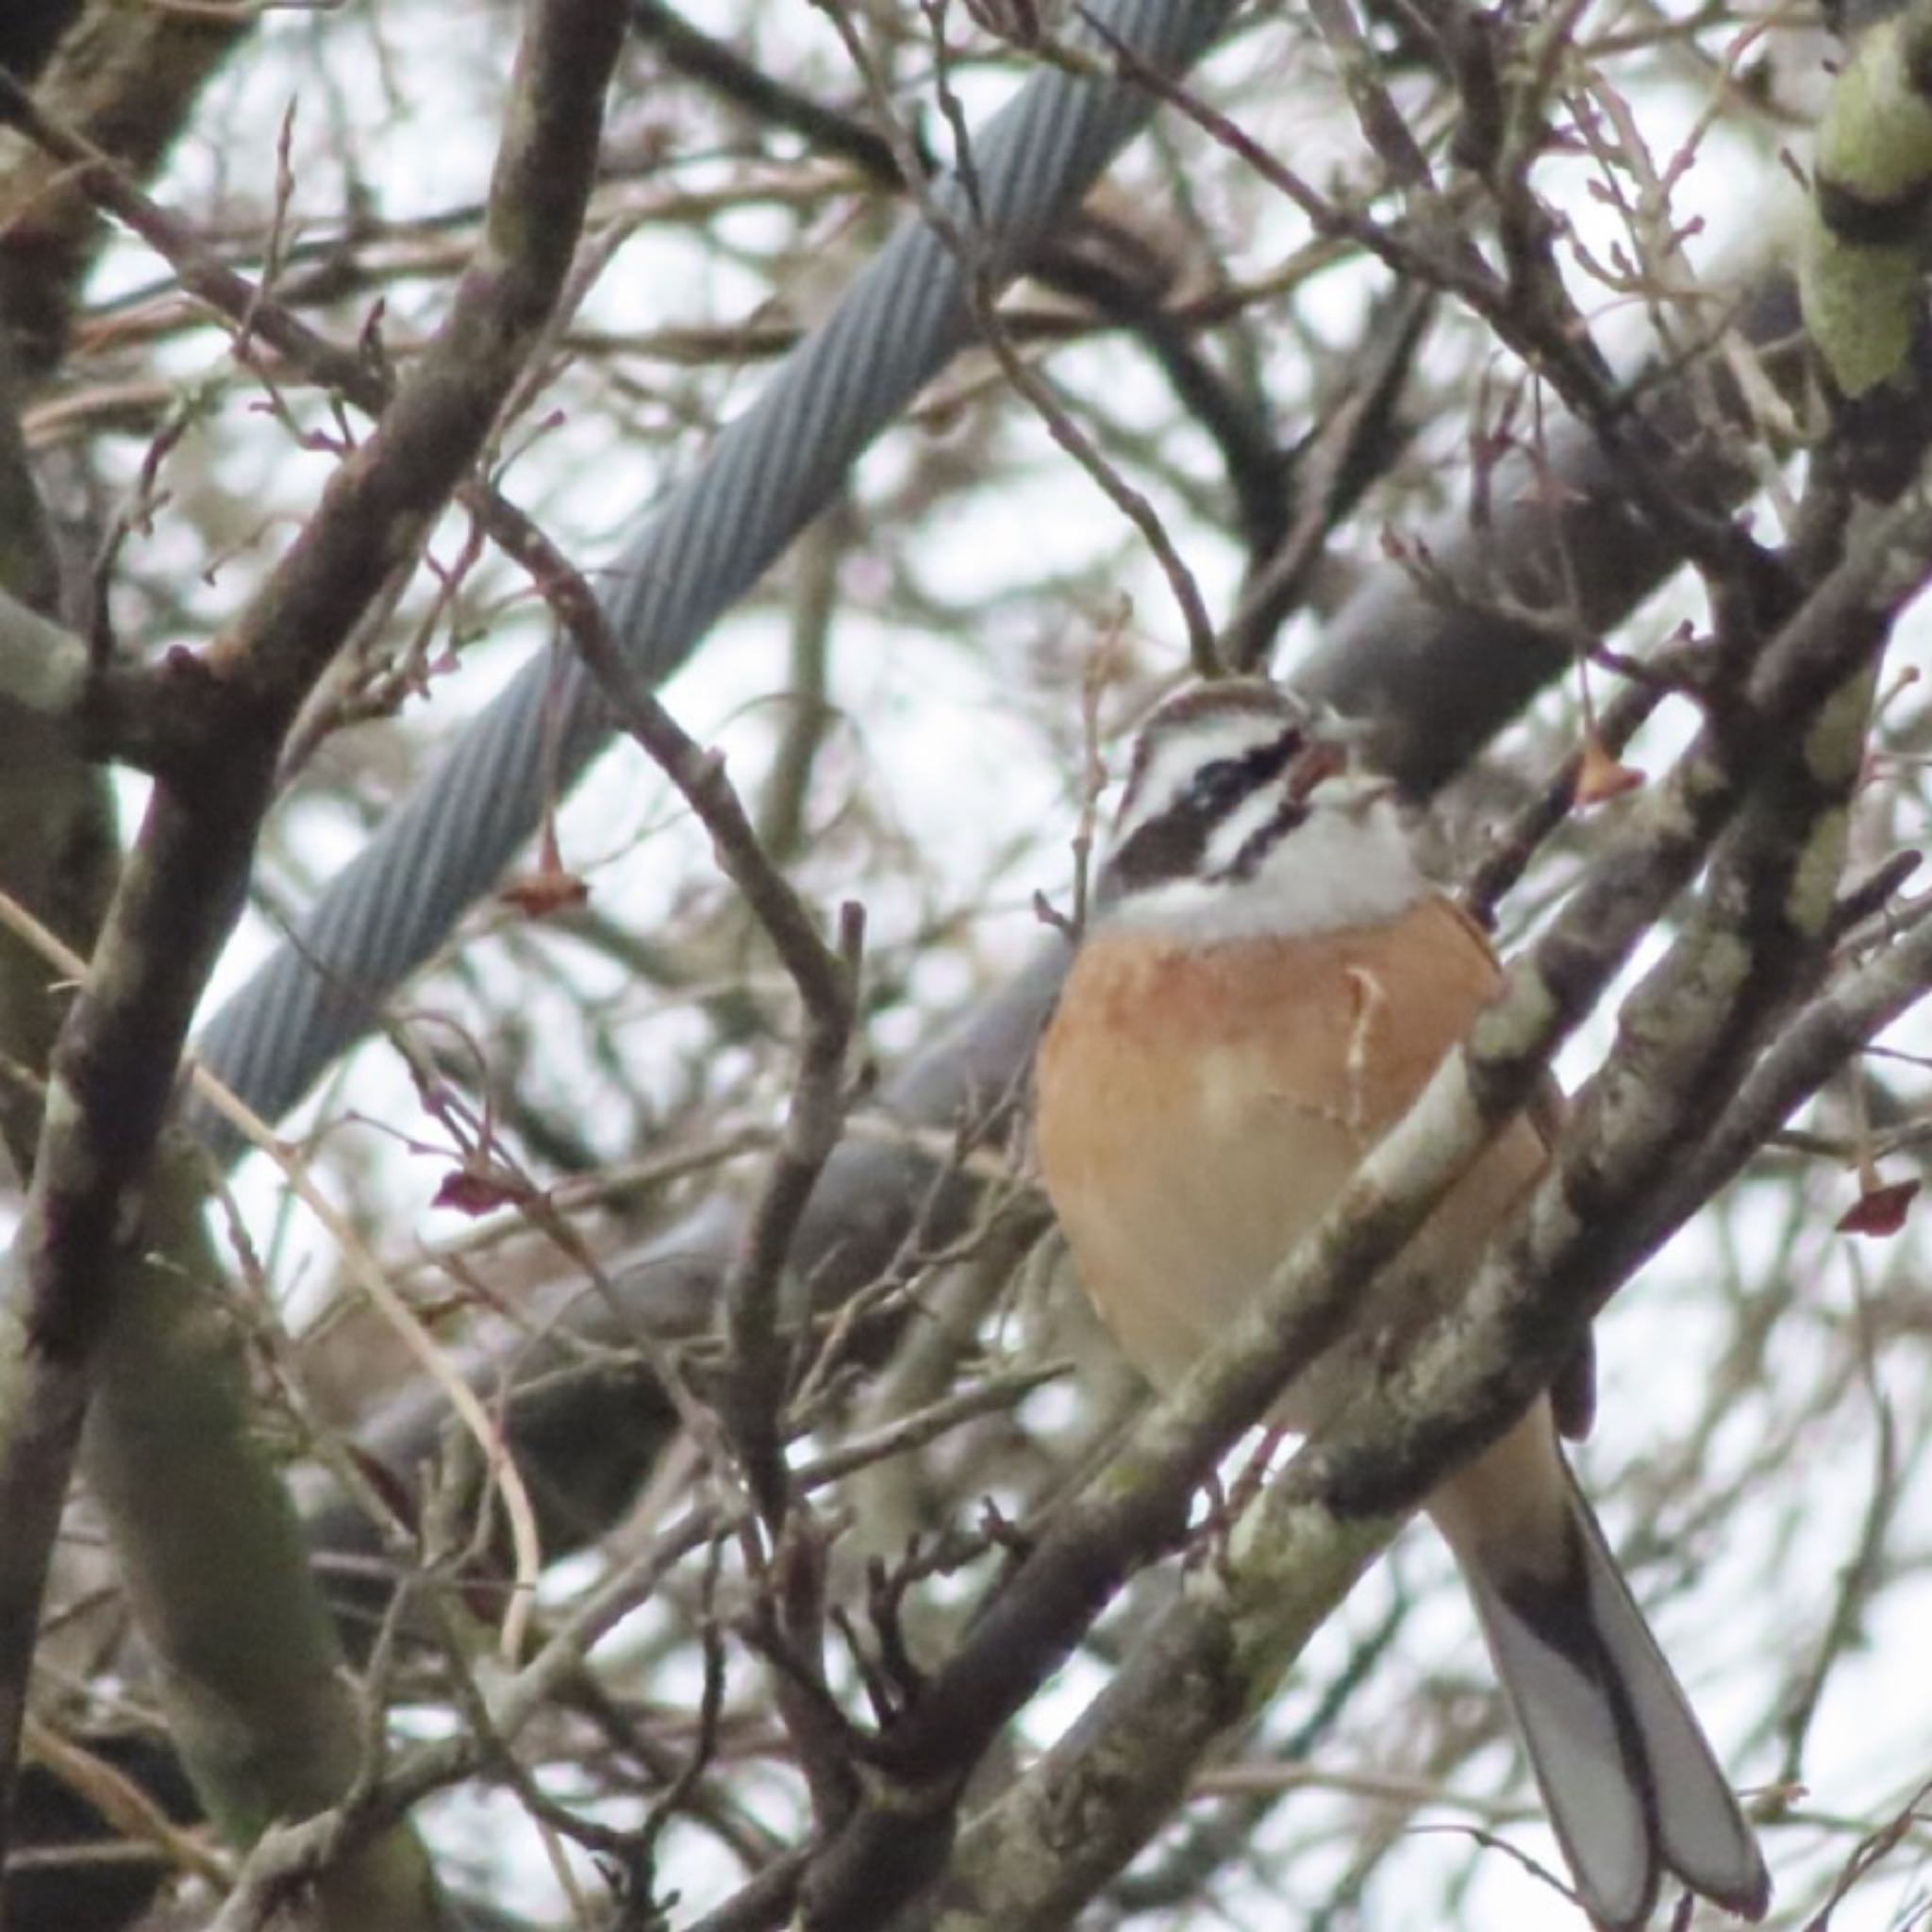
[{"x": 1349, "y": 863}]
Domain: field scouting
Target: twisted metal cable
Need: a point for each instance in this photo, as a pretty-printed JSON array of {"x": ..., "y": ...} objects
[{"x": 767, "y": 475}]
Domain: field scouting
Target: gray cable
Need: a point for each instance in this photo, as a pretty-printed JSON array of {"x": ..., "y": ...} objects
[{"x": 768, "y": 474}]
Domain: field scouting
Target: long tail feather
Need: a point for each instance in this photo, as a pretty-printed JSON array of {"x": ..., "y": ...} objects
[{"x": 1632, "y": 1787}]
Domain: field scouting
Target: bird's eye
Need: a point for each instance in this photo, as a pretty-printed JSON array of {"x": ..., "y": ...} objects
[{"x": 1216, "y": 783}]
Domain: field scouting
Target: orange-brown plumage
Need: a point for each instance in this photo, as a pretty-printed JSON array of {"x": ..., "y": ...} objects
[
  {"x": 1267, "y": 987},
  {"x": 1201, "y": 1107}
]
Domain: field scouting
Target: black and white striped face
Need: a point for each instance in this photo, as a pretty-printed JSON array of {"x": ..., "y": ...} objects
[{"x": 1245, "y": 815}]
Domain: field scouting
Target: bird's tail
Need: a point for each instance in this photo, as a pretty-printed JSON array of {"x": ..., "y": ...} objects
[{"x": 1631, "y": 1785}]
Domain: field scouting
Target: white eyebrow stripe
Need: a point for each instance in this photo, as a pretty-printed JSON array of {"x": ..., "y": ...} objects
[
  {"x": 1226, "y": 843},
  {"x": 1177, "y": 755}
]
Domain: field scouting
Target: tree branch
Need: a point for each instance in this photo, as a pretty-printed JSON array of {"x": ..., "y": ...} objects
[{"x": 115, "y": 1062}]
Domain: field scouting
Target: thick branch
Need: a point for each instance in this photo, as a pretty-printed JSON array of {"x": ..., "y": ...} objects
[
  {"x": 115, "y": 1062},
  {"x": 1215, "y": 1656}
]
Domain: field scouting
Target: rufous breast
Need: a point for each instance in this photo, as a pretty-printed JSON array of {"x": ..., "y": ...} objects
[{"x": 1200, "y": 1107}]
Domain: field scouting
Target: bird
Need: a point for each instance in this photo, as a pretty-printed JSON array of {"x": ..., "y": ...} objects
[{"x": 1265, "y": 982}]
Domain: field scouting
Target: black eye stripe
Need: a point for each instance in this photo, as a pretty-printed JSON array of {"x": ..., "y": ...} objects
[
  {"x": 1171, "y": 844},
  {"x": 1263, "y": 840},
  {"x": 1233, "y": 698},
  {"x": 1219, "y": 785}
]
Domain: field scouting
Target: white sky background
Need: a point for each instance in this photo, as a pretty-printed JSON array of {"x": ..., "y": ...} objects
[{"x": 964, "y": 750}]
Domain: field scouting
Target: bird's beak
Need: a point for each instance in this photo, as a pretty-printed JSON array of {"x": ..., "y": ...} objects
[
  {"x": 1329, "y": 765},
  {"x": 1322, "y": 761}
]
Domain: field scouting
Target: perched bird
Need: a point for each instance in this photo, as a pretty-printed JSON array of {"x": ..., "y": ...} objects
[{"x": 1266, "y": 984}]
